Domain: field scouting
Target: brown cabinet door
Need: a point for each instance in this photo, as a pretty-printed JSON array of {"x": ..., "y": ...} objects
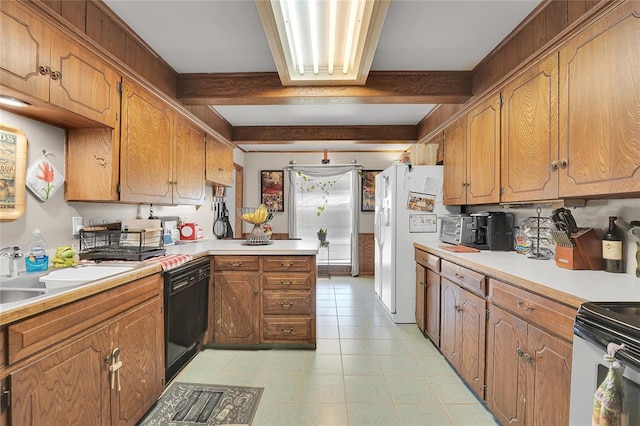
[
  {"x": 237, "y": 307},
  {"x": 472, "y": 340},
  {"x": 69, "y": 386},
  {"x": 455, "y": 166},
  {"x": 82, "y": 83},
  {"x": 599, "y": 114},
  {"x": 219, "y": 167},
  {"x": 506, "y": 368},
  {"x": 548, "y": 379},
  {"x": 432, "y": 307},
  {"x": 145, "y": 156},
  {"x": 421, "y": 296},
  {"x": 483, "y": 152},
  {"x": 530, "y": 134},
  {"x": 140, "y": 338},
  {"x": 188, "y": 185},
  {"x": 25, "y": 43},
  {"x": 450, "y": 326}
]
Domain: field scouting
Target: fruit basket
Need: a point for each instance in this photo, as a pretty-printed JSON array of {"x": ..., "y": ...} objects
[{"x": 257, "y": 217}]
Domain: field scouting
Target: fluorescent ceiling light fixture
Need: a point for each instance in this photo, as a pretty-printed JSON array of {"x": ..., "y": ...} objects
[
  {"x": 311, "y": 39},
  {"x": 13, "y": 102}
]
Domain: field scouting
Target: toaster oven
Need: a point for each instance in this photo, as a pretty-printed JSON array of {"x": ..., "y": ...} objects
[{"x": 451, "y": 228}]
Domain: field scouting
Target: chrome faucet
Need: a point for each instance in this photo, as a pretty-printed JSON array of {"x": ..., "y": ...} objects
[{"x": 15, "y": 255}]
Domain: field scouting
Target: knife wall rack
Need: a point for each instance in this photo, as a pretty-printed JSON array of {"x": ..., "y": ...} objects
[{"x": 586, "y": 253}]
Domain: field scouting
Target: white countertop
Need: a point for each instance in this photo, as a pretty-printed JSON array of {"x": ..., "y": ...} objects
[
  {"x": 586, "y": 285},
  {"x": 236, "y": 247}
]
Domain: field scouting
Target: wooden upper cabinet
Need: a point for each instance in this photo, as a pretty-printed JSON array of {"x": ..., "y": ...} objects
[
  {"x": 146, "y": 156},
  {"x": 529, "y": 166},
  {"x": 599, "y": 113},
  {"x": 483, "y": 152},
  {"x": 219, "y": 168},
  {"x": 455, "y": 168},
  {"x": 41, "y": 62},
  {"x": 189, "y": 163},
  {"x": 25, "y": 43}
]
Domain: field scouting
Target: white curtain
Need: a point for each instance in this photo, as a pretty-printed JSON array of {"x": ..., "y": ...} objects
[{"x": 328, "y": 171}]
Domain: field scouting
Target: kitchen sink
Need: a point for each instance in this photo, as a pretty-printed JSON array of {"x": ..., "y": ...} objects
[{"x": 11, "y": 295}]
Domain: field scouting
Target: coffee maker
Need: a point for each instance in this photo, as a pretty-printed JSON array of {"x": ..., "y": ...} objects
[{"x": 490, "y": 231}]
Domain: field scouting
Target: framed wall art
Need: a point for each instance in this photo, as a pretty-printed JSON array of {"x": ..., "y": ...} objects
[
  {"x": 368, "y": 190},
  {"x": 272, "y": 189},
  {"x": 13, "y": 170}
]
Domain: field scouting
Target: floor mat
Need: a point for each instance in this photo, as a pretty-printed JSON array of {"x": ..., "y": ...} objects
[{"x": 202, "y": 404}]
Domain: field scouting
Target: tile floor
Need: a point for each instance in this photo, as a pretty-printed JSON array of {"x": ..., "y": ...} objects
[{"x": 366, "y": 370}]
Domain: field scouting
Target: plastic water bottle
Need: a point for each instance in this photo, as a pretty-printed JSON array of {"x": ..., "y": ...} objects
[{"x": 36, "y": 258}]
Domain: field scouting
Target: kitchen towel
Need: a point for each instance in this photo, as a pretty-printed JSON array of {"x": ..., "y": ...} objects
[
  {"x": 170, "y": 261},
  {"x": 609, "y": 405}
]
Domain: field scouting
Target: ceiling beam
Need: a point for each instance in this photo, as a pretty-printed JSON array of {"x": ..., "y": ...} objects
[
  {"x": 354, "y": 134},
  {"x": 382, "y": 87}
]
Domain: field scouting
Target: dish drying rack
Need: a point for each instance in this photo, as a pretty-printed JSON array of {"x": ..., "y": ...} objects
[{"x": 110, "y": 242}]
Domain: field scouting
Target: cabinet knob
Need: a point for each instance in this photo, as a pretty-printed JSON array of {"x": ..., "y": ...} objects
[
  {"x": 520, "y": 352},
  {"x": 255, "y": 292},
  {"x": 562, "y": 164},
  {"x": 56, "y": 75},
  {"x": 459, "y": 276},
  {"x": 458, "y": 308},
  {"x": 527, "y": 358},
  {"x": 45, "y": 70}
]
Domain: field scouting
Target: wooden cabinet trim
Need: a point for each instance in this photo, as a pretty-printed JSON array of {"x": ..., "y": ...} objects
[
  {"x": 547, "y": 314},
  {"x": 37, "y": 333},
  {"x": 236, "y": 263},
  {"x": 466, "y": 278},
  {"x": 427, "y": 260}
]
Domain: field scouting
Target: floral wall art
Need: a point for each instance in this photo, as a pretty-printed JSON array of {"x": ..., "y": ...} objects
[{"x": 43, "y": 179}]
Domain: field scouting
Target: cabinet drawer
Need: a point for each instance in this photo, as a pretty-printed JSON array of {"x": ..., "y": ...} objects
[
  {"x": 286, "y": 329},
  {"x": 471, "y": 280},
  {"x": 427, "y": 260},
  {"x": 287, "y": 263},
  {"x": 286, "y": 303},
  {"x": 236, "y": 263},
  {"x": 293, "y": 281},
  {"x": 537, "y": 310},
  {"x": 34, "y": 334}
]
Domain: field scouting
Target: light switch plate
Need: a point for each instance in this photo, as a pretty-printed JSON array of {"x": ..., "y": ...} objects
[{"x": 76, "y": 225}]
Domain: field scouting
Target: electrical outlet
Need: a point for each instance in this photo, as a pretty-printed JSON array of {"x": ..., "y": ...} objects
[{"x": 76, "y": 225}]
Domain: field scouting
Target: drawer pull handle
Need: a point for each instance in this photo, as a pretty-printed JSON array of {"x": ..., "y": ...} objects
[
  {"x": 286, "y": 265},
  {"x": 458, "y": 308},
  {"x": 459, "y": 276},
  {"x": 286, "y": 330},
  {"x": 526, "y": 307},
  {"x": 286, "y": 282},
  {"x": 236, "y": 264},
  {"x": 286, "y": 305},
  {"x": 520, "y": 352}
]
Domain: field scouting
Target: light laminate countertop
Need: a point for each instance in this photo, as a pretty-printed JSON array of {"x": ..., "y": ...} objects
[
  {"x": 11, "y": 312},
  {"x": 572, "y": 287}
]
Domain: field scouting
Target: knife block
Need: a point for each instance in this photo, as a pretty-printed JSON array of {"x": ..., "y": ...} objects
[{"x": 586, "y": 254}]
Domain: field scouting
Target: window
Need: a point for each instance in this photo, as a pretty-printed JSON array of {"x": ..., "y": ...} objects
[{"x": 326, "y": 202}]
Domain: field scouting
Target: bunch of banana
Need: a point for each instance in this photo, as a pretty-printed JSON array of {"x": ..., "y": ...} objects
[
  {"x": 258, "y": 216},
  {"x": 65, "y": 257}
]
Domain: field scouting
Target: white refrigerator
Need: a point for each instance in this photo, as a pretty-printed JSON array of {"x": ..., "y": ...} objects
[{"x": 408, "y": 205}]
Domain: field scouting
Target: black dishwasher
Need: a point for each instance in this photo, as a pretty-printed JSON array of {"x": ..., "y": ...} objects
[{"x": 185, "y": 302}]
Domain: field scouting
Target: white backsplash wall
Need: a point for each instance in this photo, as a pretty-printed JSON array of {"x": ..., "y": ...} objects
[
  {"x": 594, "y": 215},
  {"x": 53, "y": 217}
]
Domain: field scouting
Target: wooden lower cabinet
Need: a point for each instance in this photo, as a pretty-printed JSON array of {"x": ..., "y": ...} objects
[
  {"x": 432, "y": 304},
  {"x": 462, "y": 333},
  {"x": 71, "y": 383},
  {"x": 237, "y": 307},
  {"x": 421, "y": 297},
  {"x": 528, "y": 372},
  {"x": 264, "y": 300},
  {"x": 428, "y": 295}
]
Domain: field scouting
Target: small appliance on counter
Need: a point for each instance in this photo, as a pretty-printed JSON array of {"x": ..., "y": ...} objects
[
  {"x": 190, "y": 231},
  {"x": 451, "y": 228},
  {"x": 489, "y": 231}
]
